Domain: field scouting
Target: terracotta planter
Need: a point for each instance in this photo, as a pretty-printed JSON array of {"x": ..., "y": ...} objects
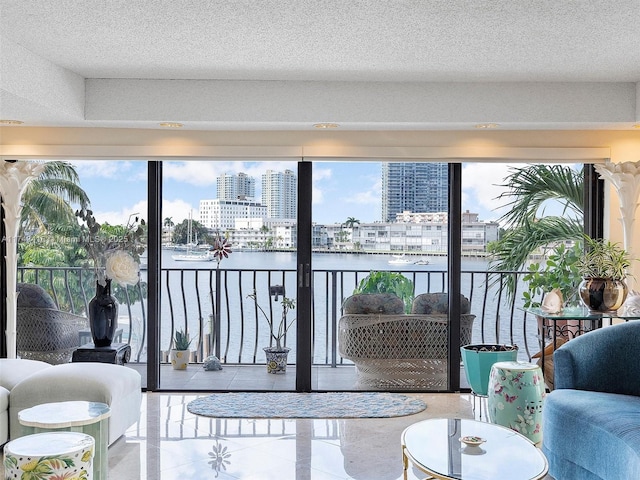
[{"x": 602, "y": 295}]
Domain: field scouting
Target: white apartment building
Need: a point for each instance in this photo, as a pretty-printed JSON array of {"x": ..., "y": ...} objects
[
  {"x": 218, "y": 214},
  {"x": 235, "y": 186},
  {"x": 253, "y": 233},
  {"x": 280, "y": 194},
  {"x": 419, "y": 233}
]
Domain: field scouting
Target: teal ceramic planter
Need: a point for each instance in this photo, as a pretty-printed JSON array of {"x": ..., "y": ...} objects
[{"x": 478, "y": 360}]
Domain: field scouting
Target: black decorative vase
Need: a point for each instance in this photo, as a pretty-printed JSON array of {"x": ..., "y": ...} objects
[{"x": 103, "y": 315}]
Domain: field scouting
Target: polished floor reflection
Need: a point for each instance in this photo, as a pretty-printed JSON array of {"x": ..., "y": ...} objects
[{"x": 170, "y": 443}]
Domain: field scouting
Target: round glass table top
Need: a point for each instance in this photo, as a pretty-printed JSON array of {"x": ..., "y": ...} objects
[
  {"x": 64, "y": 414},
  {"x": 435, "y": 447}
]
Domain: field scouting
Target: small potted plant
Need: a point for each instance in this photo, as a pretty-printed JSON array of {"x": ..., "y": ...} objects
[
  {"x": 179, "y": 355},
  {"x": 276, "y": 354},
  {"x": 603, "y": 267}
]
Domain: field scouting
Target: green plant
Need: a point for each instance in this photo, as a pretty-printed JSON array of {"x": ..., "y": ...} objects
[
  {"x": 388, "y": 282},
  {"x": 603, "y": 259},
  {"x": 560, "y": 271},
  {"x": 182, "y": 340},
  {"x": 283, "y": 326}
]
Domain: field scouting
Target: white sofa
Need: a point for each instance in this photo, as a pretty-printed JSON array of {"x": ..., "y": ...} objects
[{"x": 26, "y": 383}]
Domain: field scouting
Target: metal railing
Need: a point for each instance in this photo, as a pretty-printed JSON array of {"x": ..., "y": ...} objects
[{"x": 214, "y": 307}]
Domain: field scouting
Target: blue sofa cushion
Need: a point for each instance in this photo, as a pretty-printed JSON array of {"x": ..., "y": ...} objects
[{"x": 592, "y": 435}]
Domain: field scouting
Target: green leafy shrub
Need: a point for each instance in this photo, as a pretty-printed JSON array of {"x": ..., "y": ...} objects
[
  {"x": 560, "y": 270},
  {"x": 388, "y": 282}
]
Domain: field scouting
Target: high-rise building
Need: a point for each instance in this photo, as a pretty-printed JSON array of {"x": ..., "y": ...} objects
[
  {"x": 415, "y": 187},
  {"x": 280, "y": 194},
  {"x": 233, "y": 187}
]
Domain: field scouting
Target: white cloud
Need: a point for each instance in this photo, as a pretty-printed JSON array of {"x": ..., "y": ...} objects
[
  {"x": 178, "y": 210},
  {"x": 480, "y": 185},
  {"x": 102, "y": 168},
  {"x": 370, "y": 196},
  {"x": 122, "y": 217}
]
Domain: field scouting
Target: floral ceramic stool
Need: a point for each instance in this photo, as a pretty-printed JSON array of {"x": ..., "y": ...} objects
[
  {"x": 51, "y": 455},
  {"x": 516, "y": 394}
]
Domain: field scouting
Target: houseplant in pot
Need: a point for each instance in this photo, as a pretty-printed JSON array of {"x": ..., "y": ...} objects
[
  {"x": 388, "y": 282},
  {"x": 276, "y": 352},
  {"x": 603, "y": 267},
  {"x": 179, "y": 355}
]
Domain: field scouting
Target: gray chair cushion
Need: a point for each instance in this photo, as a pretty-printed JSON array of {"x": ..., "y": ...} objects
[
  {"x": 34, "y": 296},
  {"x": 429, "y": 303},
  {"x": 380, "y": 303}
]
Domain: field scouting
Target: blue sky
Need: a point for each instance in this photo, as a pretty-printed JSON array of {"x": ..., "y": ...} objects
[{"x": 340, "y": 190}]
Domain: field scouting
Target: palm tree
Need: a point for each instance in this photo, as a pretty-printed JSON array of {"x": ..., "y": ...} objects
[
  {"x": 351, "y": 222},
  {"x": 529, "y": 188},
  {"x": 46, "y": 199},
  {"x": 168, "y": 222}
]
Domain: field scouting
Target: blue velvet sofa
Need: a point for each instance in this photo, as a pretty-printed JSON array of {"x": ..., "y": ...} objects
[{"x": 591, "y": 421}]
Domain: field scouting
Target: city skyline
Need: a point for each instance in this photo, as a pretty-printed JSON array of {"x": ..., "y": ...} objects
[{"x": 117, "y": 189}]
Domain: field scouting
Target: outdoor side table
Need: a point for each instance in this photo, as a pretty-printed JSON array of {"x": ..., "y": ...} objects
[
  {"x": 64, "y": 454},
  {"x": 76, "y": 416}
]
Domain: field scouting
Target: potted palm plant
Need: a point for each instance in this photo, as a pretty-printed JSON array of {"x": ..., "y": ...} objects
[
  {"x": 179, "y": 355},
  {"x": 276, "y": 352},
  {"x": 603, "y": 267}
]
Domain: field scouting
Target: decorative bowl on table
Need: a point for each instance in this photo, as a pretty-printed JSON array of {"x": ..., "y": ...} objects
[{"x": 472, "y": 441}]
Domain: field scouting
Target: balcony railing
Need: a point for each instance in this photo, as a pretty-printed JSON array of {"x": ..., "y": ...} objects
[{"x": 213, "y": 307}]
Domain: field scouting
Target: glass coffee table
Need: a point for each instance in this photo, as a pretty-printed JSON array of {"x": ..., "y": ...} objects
[{"x": 436, "y": 448}]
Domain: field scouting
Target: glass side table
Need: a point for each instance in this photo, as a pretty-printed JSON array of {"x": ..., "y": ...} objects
[
  {"x": 77, "y": 416},
  {"x": 569, "y": 323},
  {"x": 436, "y": 448}
]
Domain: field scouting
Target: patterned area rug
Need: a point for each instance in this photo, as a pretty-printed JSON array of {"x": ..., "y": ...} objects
[{"x": 305, "y": 405}]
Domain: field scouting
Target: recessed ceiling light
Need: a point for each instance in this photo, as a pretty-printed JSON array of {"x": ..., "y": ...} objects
[
  {"x": 325, "y": 125},
  {"x": 11, "y": 122},
  {"x": 487, "y": 125},
  {"x": 171, "y": 125}
]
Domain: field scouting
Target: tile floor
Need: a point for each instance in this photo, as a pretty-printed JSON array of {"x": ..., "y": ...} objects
[{"x": 169, "y": 443}]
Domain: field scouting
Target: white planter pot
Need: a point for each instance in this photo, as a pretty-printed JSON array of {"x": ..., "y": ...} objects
[
  {"x": 276, "y": 359},
  {"x": 179, "y": 359}
]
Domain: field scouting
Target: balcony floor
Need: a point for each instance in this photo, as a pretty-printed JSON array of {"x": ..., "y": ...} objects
[{"x": 254, "y": 377}]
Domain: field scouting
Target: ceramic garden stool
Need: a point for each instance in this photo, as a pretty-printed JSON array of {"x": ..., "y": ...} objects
[
  {"x": 51, "y": 455},
  {"x": 516, "y": 394},
  {"x": 74, "y": 416}
]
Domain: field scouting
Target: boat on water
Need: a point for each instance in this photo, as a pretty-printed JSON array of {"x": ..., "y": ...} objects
[
  {"x": 422, "y": 261},
  {"x": 399, "y": 260},
  {"x": 193, "y": 257},
  {"x": 199, "y": 255}
]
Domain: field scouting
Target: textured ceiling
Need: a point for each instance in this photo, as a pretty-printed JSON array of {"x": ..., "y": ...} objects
[{"x": 331, "y": 40}]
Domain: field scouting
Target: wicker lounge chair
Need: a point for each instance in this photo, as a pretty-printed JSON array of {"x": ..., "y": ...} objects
[
  {"x": 43, "y": 331},
  {"x": 393, "y": 350}
]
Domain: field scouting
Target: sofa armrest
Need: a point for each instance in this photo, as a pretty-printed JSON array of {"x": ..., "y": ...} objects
[{"x": 603, "y": 360}]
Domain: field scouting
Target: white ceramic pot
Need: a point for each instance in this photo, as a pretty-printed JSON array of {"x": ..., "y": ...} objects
[{"x": 179, "y": 358}]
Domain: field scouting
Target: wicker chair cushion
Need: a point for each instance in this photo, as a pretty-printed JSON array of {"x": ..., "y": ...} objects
[
  {"x": 34, "y": 296},
  {"x": 437, "y": 303},
  {"x": 381, "y": 303}
]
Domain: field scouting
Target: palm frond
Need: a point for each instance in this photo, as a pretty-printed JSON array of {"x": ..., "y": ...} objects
[{"x": 530, "y": 187}]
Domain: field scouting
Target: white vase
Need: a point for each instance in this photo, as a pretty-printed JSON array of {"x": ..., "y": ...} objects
[{"x": 179, "y": 358}]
